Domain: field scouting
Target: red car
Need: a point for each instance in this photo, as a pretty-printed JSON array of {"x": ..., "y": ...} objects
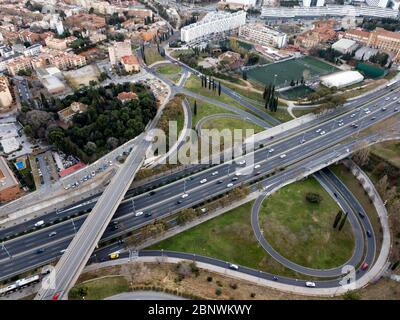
[
  {"x": 56, "y": 295},
  {"x": 364, "y": 266}
]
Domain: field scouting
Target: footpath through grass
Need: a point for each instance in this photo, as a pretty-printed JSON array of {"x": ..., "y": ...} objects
[
  {"x": 302, "y": 231},
  {"x": 171, "y": 71}
]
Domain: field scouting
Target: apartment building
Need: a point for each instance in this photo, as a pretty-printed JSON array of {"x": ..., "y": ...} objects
[
  {"x": 261, "y": 34},
  {"x": 59, "y": 44},
  {"x": 5, "y": 94},
  {"x": 328, "y": 11},
  {"x": 20, "y": 63},
  {"x": 130, "y": 63},
  {"x": 213, "y": 23}
]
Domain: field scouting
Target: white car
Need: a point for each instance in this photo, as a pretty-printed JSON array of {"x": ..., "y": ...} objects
[
  {"x": 322, "y": 133},
  {"x": 352, "y": 115},
  {"x": 341, "y": 124},
  {"x": 387, "y": 98},
  {"x": 394, "y": 98},
  {"x": 203, "y": 210},
  {"x": 203, "y": 181},
  {"x": 282, "y": 156},
  {"x": 233, "y": 266},
  {"x": 271, "y": 150},
  {"x": 310, "y": 284},
  {"x": 367, "y": 112},
  {"x": 184, "y": 195},
  {"x": 383, "y": 109},
  {"x": 39, "y": 223},
  {"x": 229, "y": 185},
  {"x": 257, "y": 166},
  {"x": 242, "y": 162},
  {"x": 138, "y": 213},
  {"x": 318, "y": 130},
  {"x": 214, "y": 173}
]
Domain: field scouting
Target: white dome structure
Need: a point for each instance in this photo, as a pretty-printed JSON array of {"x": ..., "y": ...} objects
[{"x": 342, "y": 79}]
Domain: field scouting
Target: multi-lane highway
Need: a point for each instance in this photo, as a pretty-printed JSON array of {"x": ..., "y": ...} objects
[{"x": 165, "y": 199}]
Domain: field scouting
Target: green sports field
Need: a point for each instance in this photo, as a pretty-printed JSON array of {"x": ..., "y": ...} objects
[{"x": 290, "y": 70}]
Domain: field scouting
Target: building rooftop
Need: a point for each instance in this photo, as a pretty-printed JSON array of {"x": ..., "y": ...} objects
[{"x": 7, "y": 178}]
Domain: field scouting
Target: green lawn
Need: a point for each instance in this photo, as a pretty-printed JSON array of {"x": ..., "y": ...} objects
[
  {"x": 389, "y": 151},
  {"x": 171, "y": 71},
  {"x": 302, "y": 231},
  {"x": 194, "y": 84},
  {"x": 253, "y": 95},
  {"x": 204, "y": 109},
  {"x": 231, "y": 123},
  {"x": 228, "y": 237},
  {"x": 102, "y": 288},
  {"x": 151, "y": 54}
]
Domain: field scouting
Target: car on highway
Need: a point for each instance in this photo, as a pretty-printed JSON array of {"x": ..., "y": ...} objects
[
  {"x": 354, "y": 125},
  {"x": 148, "y": 214},
  {"x": 214, "y": 173},
  {"x": 364, "y": 266},
  {"x": 352, "y": 115},
  {"x": 369, "y": 234},
  {"x": 233, "y": 266},
  {"x": 179, "y": 202},
  {"x": 373, "y": 118},
  {"x": 138, "y": 213},
  {"x": 282, "y": 156},
  {"x": 234, "y": 178},
  {"x": 229, "y": 185},
  {"x": 275, "y": 278},
  {"x": 203, "y": 181},
  {"x": 271, "y": 150},
  {"x": 203, "y": 210},
  {"x": 318, "y": 130},
  {"x": 242, "y": 162},
  {"x": 322, "y": 132},
  {"x": 39, "y": 223},
  {"x": 367, "y": 111},
  {"x": 52, "y": 234},
  {"x": 396, "y": 109},
  {"x": 387, "y": 98},
  {"x": 56, "y": 295},
  {"x": 394, "y": 98},
  {"x": 40, "y": 250},
  {"x": 114, "y": 255},
  {"x": 257, "y": 173},
  {"x": 63, "y": 250},
  {"x": 185, "y": 195},
  {"x": 152, "y": 193},
  {"x": 383, "y": 109},
  {"x": 362, "y": 216},
  {"x": 257, "y": 166},
  {"x": 302, "y": 141},
  {"x": 219, "y": 181},
  {"x": 310, "y": 284}
]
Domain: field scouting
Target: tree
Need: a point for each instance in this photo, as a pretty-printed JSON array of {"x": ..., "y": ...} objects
[
  {"x": 195, "y": 108},
  {"x": 343, "y": 221},
  {"x": 244, "y": 75},
  {"x": 219, "y": 88},
  {"x": 313, "y": 197},
  {"x": 91, "y": 10},
  {"x": 337, "y": 218},
  {"x": 361, "y": 156}
]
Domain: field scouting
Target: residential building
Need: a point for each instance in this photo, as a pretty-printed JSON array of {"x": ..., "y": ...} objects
[
  {"x": 119, "y": 50},
  {"x": 28, "y": 36},
  {"x": 213, "y": 23},
  {"x": 321, "y": 32},
  {"x": 67, "y": 114},
  {"x": 59, "y": 44},
  {"x": 130, "y": 63},
  {"x": 89, "y": 22},
  {"x": 327, "y": 11},
  {"x": 33, "y": 50},
  {"x": 261, "y": 34},
  {"x": 5, "y": 94},
  {"x": 9, "y": 185},
  {"x": 20, "y": 63}
]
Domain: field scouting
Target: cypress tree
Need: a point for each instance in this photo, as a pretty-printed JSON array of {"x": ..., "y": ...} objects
[
  {"x": 219, "y": 88},
  {"x": 343, "y": 221},
  {"x": 337, "y": 218},
  {"x": 195, "y": 108}
]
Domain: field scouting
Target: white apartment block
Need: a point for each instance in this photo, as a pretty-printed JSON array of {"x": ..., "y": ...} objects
[
  {"x": 393, "y": 4},
  {"x": 5, "y": 94},
  {"x": 248, "y": 3},
  {"x": 119, "y": 50},
  {"x": 328, "y": 11},
  {"x": 313, "y": 3},
  {"x": 213, "y": 23},
  {"x": 261, "y": 34}
]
